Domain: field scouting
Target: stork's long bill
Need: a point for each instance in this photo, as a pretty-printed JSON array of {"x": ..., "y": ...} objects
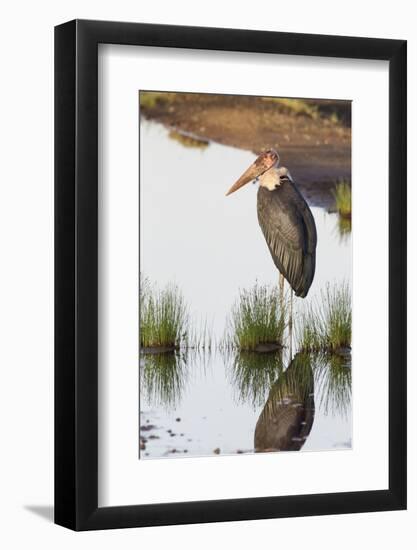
[{"x": 264, "y": 162}]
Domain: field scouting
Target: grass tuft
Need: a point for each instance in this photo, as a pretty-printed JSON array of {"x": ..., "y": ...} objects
[
  {"x": 149, "y": 100},
  {"x": 164, "y": 317},
  {"x": 297, "y": 107},
  {"x": 343, "y": 198},
  {"x": 256, "y": 319},
  {"x": 326, "y": 326}
]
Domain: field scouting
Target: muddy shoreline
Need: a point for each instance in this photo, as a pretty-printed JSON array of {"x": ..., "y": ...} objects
[{"x": 317, "y": 150}]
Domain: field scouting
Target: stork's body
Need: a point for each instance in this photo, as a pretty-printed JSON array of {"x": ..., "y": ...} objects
[
  {"x": 288, "y": 227},
  {"x": 286, "y": 222}
]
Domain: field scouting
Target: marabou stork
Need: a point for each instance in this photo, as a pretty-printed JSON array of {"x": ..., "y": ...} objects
[{"x": 286, "y": 222}]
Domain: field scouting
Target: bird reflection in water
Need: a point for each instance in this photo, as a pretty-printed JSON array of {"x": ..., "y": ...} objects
[{"x": 288, "y": 415}]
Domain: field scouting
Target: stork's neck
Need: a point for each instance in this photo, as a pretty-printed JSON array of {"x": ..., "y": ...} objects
[{"x": 271, "y": 179}]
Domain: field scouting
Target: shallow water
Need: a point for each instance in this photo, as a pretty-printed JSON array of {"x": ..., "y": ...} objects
[{"x": 211, "y": 245}]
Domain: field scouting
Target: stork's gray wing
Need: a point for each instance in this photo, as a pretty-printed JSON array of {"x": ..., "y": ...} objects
[{"x": 290, "y": 232}]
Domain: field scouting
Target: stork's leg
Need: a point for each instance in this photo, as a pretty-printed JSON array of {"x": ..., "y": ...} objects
[
  {"x": 281, "y": 306},
  {"x": 281, "y": 292},
  {"x": 290, "y": 324}
]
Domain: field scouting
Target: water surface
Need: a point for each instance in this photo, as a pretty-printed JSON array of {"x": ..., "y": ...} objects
[{"x": 211, "y": 246}]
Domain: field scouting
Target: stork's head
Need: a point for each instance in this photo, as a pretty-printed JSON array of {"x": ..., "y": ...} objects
[{"x": 264, "y": 162}]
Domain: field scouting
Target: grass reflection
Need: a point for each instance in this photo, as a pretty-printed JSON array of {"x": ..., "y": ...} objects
[
  {"x": 163, "y": 377},
  {"x": 188, "y": 140},
  {"x": 333, "y": 376},
  {"x": 291, "y": 396},
  {"x": 252, "y": 374},
  {"x": 344, "y": 226}
]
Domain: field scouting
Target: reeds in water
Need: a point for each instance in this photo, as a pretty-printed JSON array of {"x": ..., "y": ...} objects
[
  {"x": 343, "y": 198},
  {"x": 326, "y": 325},
  {"x": 164, "y": 316},
  {"x": 257, "y": 319}
]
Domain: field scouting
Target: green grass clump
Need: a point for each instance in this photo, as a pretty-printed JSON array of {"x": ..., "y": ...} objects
[
  {"x": 295, "y": 106},
  {"x": 343, "y": 198},
  {"x": 311, "y": 331},
  {"x": 149, "y": 100},
  {"x": 256, "y": 318},
  {"x": 337, "y": 309},
  {"x": 164, "y": 317},
  {"x": 326, "y": 326}
]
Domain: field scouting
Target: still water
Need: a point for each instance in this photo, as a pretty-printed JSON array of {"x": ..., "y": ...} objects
[{"x": 209, "y": 403}]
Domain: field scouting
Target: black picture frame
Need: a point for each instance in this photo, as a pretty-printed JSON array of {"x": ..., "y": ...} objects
[{"x": 76, "y": 272}]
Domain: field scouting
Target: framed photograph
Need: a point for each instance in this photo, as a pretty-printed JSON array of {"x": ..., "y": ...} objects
[{"x": 230, "y": 246}]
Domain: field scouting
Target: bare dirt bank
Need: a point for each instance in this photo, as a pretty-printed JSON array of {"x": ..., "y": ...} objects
[{"x": 313, "y": 138}]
